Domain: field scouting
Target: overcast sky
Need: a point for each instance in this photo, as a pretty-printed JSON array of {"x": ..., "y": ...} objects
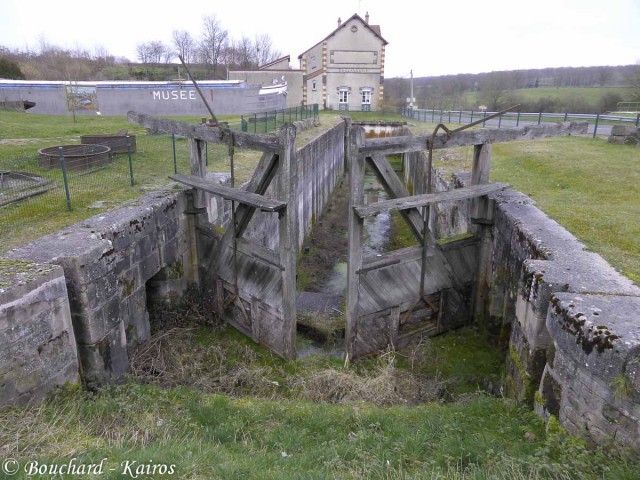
[{"x": 430, "y": 37}]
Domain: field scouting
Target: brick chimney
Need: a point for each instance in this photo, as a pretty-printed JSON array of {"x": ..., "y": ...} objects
[{"x": 366, "y": 18}]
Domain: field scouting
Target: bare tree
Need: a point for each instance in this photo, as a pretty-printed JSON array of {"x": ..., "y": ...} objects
[
  {"x": 213, "y": 42},
  {"x": 184, "y": 44},
  {"x": 633, "y": 80},
  {"x": 245, "y": 53},
  {"x": 153, "y": 52},
  {"x": 496, "y": 90},
  {"x": 264, "y": 52}
]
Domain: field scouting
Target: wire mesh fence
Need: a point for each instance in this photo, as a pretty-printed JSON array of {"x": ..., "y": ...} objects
[
  {"x": 60, "y": 185},
  {"x": 270, "y": 121}
]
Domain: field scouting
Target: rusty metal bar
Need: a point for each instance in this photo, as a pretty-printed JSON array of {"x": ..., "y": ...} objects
[{"x": 213, "y": 117}]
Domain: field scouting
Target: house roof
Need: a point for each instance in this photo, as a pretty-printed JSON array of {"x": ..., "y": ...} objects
[
  {"x": 274, "y": 62},
  {"x": 375, "y": 29}
]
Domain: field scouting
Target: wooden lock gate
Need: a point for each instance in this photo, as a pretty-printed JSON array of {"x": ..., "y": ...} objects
[{"x": 392, "y": 297}]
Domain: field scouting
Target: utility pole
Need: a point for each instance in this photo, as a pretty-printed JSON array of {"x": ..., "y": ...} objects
[{"x": 411, "y": 99}]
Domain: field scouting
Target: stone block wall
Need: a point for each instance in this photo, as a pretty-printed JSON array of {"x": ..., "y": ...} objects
[
  {"x": 625, "y": 134},
  {"x": 574, "y": 349},
  {"x": 320, "y": 166},
  {"x": 110, "y": 262},
  {"x": 573, "y": 321},
  {"x": 37, "y": 342}
]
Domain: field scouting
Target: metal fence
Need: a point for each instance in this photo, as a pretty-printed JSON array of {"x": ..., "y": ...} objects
[
  {"x": 42, "y": 189},
  {"x": 40, "y": 193},
  {"x": 270, "y": 121},
  {"x": 598, "y": 124}
]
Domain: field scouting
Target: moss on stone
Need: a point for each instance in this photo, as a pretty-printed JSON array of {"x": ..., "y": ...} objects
[
  {"x": 528, "y": 386},
  {"x": 12, "y": 271}
]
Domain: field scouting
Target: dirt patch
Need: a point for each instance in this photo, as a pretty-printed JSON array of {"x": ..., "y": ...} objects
[{"x": 327, "y": 245}]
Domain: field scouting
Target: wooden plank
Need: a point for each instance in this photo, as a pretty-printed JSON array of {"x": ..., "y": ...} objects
[
  {"x": 481, "y": 208},
  {"x": 355, "y": 233},
  {"x": 265, "y": 143},
  {"x": 287, "y": 228},
  {"x": 197, "y": 163},
  {"x": 464, "y": 193},
  {"x": 396, "y": 189},
  {"x": 410, "y": 143},
  {"x": 396, "y": 257},
  {"x": 242, "y": 196},
  {"x": 259, "y": 183},
  {"x": 255, "y": 319},
  {"x": 259, "y": 252}
]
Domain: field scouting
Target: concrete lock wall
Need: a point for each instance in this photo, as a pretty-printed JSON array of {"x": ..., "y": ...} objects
[
  {"x": 573, "y": 320},
  {"x": 320, "y": 166},
  {"x": 111, "y": 263},
  {"x": 37, "y": 343},
  {"x": 574, "y": 350}
]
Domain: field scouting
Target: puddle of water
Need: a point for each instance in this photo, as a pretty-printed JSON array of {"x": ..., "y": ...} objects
[{"x": 376, "y": 236}]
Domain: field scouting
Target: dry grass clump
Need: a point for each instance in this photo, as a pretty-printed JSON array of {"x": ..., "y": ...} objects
[
  {"x": 384, "y": 385},
  {"x": 176, "y": 357}
]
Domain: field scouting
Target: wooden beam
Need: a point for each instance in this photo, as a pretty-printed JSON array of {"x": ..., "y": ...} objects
[
  {"x": 242, "y": 196},
  {"x": 396, "y": 189},
  {"x": 355, "y": 229},
  {"x": 265, "y": 143},
  {"x": 406, "y": 144},
  {"x": 287, "y": 228},
  {"x": 197, "y": 163},
  {"x": 415, "y": 201},
  {"x": 260, "y": 181}
]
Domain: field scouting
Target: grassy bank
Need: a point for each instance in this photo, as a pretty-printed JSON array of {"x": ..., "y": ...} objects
[{"x": 216, "y": 406}]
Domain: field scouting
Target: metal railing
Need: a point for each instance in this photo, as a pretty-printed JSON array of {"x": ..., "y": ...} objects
[
  {"x": 599, "y": 124},
  {"x": 36, "y": 191},
  {"x": 270, "y": 121}
]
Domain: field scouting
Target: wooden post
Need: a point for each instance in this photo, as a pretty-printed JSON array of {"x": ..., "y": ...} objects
[
  {"x": 198, "y": 168},
  {"x": 482, "y": 214},
  {"x": 288, "y": 226},
  {"x": 347, "y": 143},
  {"x": 356, "y": 224}
]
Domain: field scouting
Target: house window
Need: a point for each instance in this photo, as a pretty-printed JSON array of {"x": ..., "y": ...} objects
[
  {"x": 365, "y": 98},
  {"x": 314, "y": 86},
  {"x": 343, "y": 98}
]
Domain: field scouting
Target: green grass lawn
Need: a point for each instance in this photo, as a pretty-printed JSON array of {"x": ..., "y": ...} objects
[
  {"x": 224, "y": 408},
  {"x": 218, "y": 406}
]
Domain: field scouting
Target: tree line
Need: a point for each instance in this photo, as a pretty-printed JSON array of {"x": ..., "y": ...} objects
[
  {"x": 213, "y": 50},
  {"x": 498, "y": 90}
]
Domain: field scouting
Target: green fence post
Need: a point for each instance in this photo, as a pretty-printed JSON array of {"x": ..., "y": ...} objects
[
  {"x": 484, "y": 116},
  {"x": 638, "y": 120},
  {"x": 206, "y": 153},
  {"x": 565, "y": 116},
  {"x": 499, "y": 121},
  {"x": 460, "y": 117},
  {"x": 65, "y": 179},
  {"x": 175, "y": 160},
  {"x": 539, "y": 118},
  {"x": 595, "y": 128},
  {"x": 130, "y": 160},
  {"x": 471, "y": 121},
  {"x": 518, "y": 119}
]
